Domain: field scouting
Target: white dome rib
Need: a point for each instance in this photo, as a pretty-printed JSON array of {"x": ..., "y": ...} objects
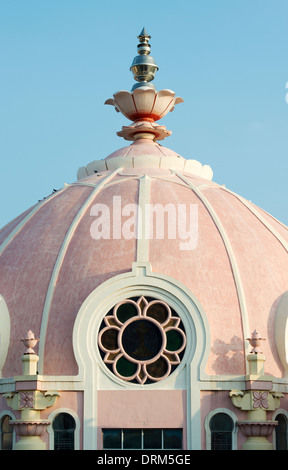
[
  {"x": 59, "y": 261},
  {"x": 231, "y": 256}
]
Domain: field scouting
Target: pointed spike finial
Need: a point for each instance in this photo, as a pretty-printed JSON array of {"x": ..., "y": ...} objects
[
  {"x": 144, "y": 33},
  {"x": 143, "y": 67},
  {"x": 144, "y": 38}
]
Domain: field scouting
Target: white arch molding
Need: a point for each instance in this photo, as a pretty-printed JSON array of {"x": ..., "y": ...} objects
[
  {"x": 279, "y": 411},
  {"x": 95, "y": 375},
  {"x": 4, "y": 332},
  {"x": 12, "y": 417},
  {"x": 281, "y": 331}
]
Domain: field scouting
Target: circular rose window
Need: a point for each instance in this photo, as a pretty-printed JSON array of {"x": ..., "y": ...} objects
[{"x": 142, "y": 340}]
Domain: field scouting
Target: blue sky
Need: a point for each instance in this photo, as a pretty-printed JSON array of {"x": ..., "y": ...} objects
[{"x": 61, "y": 59}]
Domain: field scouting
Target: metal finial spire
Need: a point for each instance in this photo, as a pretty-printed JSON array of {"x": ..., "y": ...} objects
[
  {"x": 144, "y": 105},
  {"x": 144, "y": 66},
  {"x": 144, "y": 46}
]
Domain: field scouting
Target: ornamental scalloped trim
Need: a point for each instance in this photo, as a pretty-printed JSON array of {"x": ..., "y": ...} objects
[
  {"x": 144, "y": 103},
  {"x": 139, "y": 127},
  {"x": 114, "y": 352}
]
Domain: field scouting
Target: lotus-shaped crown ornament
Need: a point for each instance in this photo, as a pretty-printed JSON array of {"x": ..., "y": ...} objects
[
  {"x": 30, "y": 342},
  {"x": 255, "y": 341},
  {"x": 144, "y": 104}
]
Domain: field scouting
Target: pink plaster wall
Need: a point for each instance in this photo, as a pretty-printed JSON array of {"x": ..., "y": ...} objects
[
  {"x": 27, "y": 264},
  {"x": 87, "y": 264},
  {"x": 262, "y": 264},
  {"x": 8, "y": 229},
  {"x": 141, "y": 409},
  {"x": 206, "y": 271}
]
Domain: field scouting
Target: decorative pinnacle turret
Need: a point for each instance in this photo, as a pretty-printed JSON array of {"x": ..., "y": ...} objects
[
  {"x": 255, "y": 342},
  {"x": 144, "y": 66},
  {"x": 144, "y": 105},
  {"x": 30, "y": 342}
]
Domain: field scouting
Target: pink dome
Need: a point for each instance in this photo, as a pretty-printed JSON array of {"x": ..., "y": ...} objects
[
  {"x": 50, "y": 263},
  {"x": 144, "y": 284},
  {"x": 143, "y": 147}
]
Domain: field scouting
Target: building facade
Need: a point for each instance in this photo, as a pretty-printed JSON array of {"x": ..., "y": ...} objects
[{"x": 154, "y": 300}]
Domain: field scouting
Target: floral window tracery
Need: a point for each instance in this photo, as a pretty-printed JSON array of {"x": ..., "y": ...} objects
[{"x": 142, "y": 340}]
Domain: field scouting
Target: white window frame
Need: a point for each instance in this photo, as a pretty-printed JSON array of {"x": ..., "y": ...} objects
[
  {"x": 50, "y": 430},
  {"x": 12, "y": 416},
  {"x": 279, "y": 411}
]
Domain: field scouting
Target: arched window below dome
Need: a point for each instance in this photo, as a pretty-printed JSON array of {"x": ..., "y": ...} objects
[
  {"x": 281, "y": 432},
  {"x": 221, "y": 430},
  {"x": 221, "y": 427},
  {"x": 64, "y": 432},
  {"x": 6, "y": 430}
]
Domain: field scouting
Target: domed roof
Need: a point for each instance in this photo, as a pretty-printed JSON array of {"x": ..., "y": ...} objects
[
  {"x": 50, "y": 262},
  {"x": 230, "y": 254}
]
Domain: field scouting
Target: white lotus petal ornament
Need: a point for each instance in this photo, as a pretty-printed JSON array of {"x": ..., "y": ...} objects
[{"x": 144, "y": 103}]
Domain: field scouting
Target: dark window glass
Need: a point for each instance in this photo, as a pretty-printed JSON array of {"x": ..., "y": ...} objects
[
  {"x": 172, "y": 438},
  {"x": 64, "y": 427},
  {"x": 174, "y": 340},
  {"x": 126, "y": 311},
  {"x": 109, "y": 339},
  {"x": 6, "y": 433},
  {"x": 158, "y": 368},
  {"x": 158, "y": 312},
  {"x": 152, "y": 439},
  {"x": 125, "y": 367},
  {"x": 132, "y": 439},
  {"x": 142, "y": 438},
  {"x": 142, "y": 340},
  {"x": 221, "y": 426},
  {"x": 281, "y": 432},
  {"x": 112, "y": 439}
]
